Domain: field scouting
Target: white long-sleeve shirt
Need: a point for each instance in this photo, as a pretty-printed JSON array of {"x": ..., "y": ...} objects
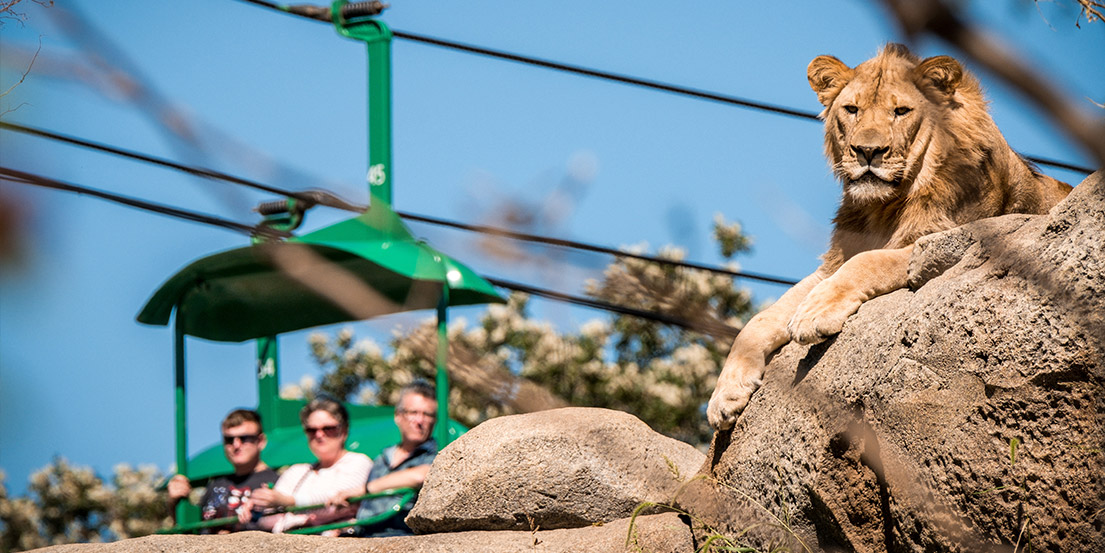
[{"x": 311, "y": 486}]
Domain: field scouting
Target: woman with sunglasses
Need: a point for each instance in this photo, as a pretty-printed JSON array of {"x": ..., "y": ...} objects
[{"x": 326, "y": 423}]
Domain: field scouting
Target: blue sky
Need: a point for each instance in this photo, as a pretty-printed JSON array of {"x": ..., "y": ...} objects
[{"x": 81, "y": 379}]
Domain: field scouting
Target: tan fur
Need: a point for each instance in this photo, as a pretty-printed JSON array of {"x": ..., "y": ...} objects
[{"x": 917, "y": 152}]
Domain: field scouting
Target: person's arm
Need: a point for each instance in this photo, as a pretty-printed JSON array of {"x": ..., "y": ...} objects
[
  {"x": 342, "y": 498},
  {"x": 413, "y": 477},
  {"x": 280, "y": 495},
  {"x": 265, "y": 498},
  {"x": 349, "y": 472},
  {"x": 406, "y": 478},
  {"x": 179, "y": 489}
]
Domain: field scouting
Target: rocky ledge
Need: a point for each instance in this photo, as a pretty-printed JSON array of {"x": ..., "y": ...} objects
[{"x": 963, "y": 414}]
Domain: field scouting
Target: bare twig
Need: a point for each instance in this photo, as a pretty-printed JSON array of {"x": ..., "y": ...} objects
[
  {"x": 1091, "y": 10},
  {"x": 1020, "y": 535},
  {"x": 329, "y": 280},
  {"x": 7, "y": 10},
  {"x": 940, "y": 19},
  {"x": 470, "y": 371},
  {"x": 105, "y": 66},
  {"x": 360, "y": 301},
  {"x": 22, "y": 78}
]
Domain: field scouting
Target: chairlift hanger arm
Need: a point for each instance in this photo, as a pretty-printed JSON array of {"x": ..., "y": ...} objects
[{"x": 346, "y": 10}]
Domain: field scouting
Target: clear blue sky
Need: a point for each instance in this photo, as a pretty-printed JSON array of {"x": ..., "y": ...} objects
[{"x": 81, "y": 379}]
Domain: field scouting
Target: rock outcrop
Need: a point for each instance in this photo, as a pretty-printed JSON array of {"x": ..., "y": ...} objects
[
  {"x": 665, "y": 533},
  {"x": 561, "y": 468},
  {"x": 563, "y": 480},
  {"x": 965, "y": 414}
]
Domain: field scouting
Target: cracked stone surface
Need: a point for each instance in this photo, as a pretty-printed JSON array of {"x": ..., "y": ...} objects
[
  {"x": 964, "y": 414},
  {"x": 560, "y": 468}
]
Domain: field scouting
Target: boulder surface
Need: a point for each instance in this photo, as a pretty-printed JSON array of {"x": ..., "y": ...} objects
[
  {"x": 966, "y": 413},
  {"x": 664, "y": 533},
  {"x": 560, "y": 468}
]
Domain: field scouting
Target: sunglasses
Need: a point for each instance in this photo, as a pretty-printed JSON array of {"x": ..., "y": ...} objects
[
  {"x": 329, "y": 431},
  {"x": 245, "y": 439}
]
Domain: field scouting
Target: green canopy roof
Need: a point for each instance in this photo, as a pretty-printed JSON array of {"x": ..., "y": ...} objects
[{"x": 241, "y": 294}]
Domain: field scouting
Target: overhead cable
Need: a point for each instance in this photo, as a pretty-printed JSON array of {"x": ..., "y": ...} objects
[
  {"x": 321, "y": 13},
  {"x": 655, "y": 85},
  {"x": 14, "y": 175},
  {"x": 593, "y": 248},
  {"x": 313, "y": 197},
  {"x": 310, "y": 197},
  {"x": 711, "y": 328}
]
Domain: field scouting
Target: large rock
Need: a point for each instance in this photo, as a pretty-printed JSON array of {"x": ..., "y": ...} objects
[
  {"x": 665, "y": 533},
  {"x": 559, "y": 468},
  {"x": 966, "y": 414}
]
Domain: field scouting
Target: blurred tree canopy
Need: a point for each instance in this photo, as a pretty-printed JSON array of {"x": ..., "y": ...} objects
[
  {"x": 510, "y": 363},
  {"x": 67, "y": 504}
]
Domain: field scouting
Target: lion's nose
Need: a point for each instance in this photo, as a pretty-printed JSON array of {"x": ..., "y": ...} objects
[{"x": 869, "y": 153}]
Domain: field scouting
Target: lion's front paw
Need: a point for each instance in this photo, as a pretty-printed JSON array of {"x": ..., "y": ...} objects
[
  {"x": 821, "y": 314},
  {"x": 728, "y": 401}
]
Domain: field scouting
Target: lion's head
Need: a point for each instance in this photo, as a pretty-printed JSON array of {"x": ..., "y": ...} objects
[{"x": 882, "y": 116}]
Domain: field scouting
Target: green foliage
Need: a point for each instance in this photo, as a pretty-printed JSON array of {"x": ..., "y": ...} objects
[
  {"x": 509, "y": 363},
  {"x": 67, "y": 504},
  {"x": 729, "y": 237}
]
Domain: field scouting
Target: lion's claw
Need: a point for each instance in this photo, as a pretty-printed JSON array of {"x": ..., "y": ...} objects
[
  {"x": 813, "y": 330},
  {"x": 821, "y": 315},
  {"x": 728, "y": 402}
]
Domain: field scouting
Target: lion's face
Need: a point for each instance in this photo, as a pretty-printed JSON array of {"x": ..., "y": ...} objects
[{"x": 879, "y": 117}]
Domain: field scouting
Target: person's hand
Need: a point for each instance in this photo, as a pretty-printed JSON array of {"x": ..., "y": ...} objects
[
  {"x": 245, "y": 510},
  {"x": 265, "y": 498},
  {"x": 341, "y": 498},
  {"x": 179, "y": 488}
]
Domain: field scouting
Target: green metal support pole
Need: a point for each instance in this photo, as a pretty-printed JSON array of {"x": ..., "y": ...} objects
[
  {"x": 379, "y": 115},
  {"x": 268, "y": 382},
  {"x": 441, "y": 431},
  {"x": 184, "y": 514},
  {"x": 377, "y": 38}
]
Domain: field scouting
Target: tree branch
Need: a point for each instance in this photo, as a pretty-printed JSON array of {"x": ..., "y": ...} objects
[
  {"x": 1091, "y": 9},
  {"x": 22, "y": 78},
  {"x": 938, "y": 18}
]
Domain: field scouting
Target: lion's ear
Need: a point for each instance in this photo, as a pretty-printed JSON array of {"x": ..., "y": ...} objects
[
  {"x": 941, "y": 72},
  {"x": 827, "y": 76}
]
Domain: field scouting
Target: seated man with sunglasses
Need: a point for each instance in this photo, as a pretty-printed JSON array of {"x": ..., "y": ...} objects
[{"x": 243, "y": 441}]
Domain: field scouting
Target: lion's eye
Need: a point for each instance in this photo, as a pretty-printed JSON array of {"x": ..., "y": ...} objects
[
  {"x": 851, "y": 109},
  {"x": 902, "y": 111}
]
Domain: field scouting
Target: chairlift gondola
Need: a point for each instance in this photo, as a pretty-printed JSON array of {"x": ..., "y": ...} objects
[{"x": 273, "y": 286}]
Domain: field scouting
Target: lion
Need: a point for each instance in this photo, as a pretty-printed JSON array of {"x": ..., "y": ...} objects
[{"x": 917, "y": 152}]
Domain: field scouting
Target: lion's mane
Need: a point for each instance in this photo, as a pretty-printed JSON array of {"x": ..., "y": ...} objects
[{"x": 950, "y": 163}]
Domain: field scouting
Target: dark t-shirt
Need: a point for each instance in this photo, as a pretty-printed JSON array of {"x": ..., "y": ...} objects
[{"x": 225, "y": 493}]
